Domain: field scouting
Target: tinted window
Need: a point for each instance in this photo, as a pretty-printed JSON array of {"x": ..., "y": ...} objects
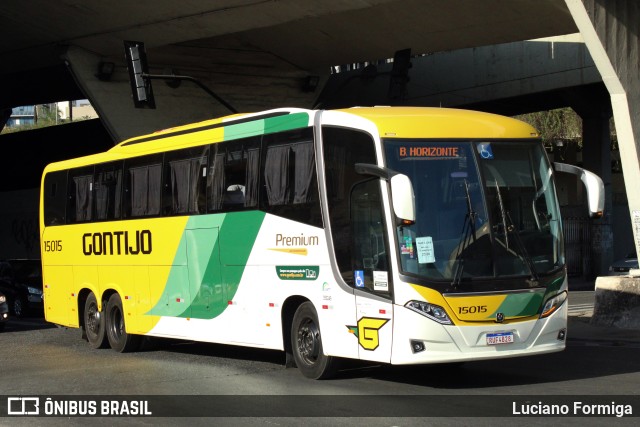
[
  {"x": 143, "y": 184},
  {"x": 369, "y": 253},
  {"x": 80, "y": 195},
  {"x": 55, "y": 198},
  {"x": 343, "y": 148},
  {"x": 233, "y": 175},
  {"x": 290, "y": 186},
  {"x": 108, "y": 191},
  {"x": 185, "y": 178}
]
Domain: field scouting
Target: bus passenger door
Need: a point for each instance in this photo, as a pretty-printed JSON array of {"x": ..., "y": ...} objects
[{"x": 374, "y": 308}]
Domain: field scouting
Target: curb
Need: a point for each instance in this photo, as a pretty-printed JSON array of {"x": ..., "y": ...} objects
[{"x": 617, "y": 302}]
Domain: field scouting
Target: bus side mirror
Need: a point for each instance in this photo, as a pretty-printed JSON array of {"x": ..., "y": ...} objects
[
  {"x": 593, "y": 185},
  {"x": 403, "y": 199}
]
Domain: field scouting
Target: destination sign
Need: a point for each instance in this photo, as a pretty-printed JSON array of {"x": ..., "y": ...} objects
[{"x": 429, "y": 152}]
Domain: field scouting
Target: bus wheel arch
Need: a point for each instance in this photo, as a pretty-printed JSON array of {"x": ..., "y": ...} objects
[
  {"x": 118, "y": 338},
  {"x": 306, "y": 344}
]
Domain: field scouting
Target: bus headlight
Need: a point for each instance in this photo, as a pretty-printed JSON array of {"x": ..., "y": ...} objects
[
  {"x": 553, "y": 304},
  {"x": 432, "y": 311}
]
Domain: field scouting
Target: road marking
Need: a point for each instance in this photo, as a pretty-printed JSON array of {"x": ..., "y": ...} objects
[{"x": 579, "y": 309}]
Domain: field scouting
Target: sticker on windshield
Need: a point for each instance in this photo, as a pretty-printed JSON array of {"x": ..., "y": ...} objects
[
  {"x": 359, "y": 277},
  {"x": 407, "y": 247},
  {"x": 426, "y": 253},
  {"x": 484, "y": 149},
  {"x": 380, "y": 281}
]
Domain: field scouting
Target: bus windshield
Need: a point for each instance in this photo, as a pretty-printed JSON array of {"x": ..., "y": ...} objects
[{"x": 483, "y": 210}]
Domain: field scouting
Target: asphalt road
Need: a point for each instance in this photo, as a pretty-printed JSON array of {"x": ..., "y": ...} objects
[
  {"x": 39, "y": 359},
  {"x": 581, "y": 302}
]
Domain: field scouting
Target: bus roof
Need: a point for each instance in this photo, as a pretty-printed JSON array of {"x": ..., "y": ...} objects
[
  {"x": 391, "y": 122},
  {"x": 433, "y": 122},
  {"x": 396, "y": 122}
]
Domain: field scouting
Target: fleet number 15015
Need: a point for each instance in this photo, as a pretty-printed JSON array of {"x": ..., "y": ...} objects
[
  {"x": 472, "y": 309},
  {"x": 53, "y": 245}
]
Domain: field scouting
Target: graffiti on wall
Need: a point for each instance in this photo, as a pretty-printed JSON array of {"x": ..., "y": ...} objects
[{"x": 25, "y": 241}]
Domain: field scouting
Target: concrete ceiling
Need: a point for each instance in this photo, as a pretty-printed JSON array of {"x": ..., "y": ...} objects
[{"x": 267, "y": 34}]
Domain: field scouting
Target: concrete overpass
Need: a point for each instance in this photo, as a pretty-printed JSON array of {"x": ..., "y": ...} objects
[
  {"x": 257, "y": 54},
  {"x": 254, "y": 53}
]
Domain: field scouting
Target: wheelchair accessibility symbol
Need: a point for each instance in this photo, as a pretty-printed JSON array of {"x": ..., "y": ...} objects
[
  {"x": 359, "y": 276},
  {"x": 484, "y": 149}
]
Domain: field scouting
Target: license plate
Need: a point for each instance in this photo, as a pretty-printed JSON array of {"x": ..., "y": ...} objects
[{"x": 500, "y": 338}]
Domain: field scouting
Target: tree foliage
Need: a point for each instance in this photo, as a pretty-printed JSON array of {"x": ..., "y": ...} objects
[{"x": 553, "y": 125}]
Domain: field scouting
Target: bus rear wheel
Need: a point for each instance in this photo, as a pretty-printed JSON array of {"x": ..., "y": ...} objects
[
  {"x": 119, "y": 339},
  {"x": 306, "y": 343},
  {"x": 94, "y": 323}
]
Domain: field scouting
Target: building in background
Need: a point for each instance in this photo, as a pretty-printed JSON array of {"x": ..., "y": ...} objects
[
  {"x": 76, "y": 110},
  {"x": 51, "y": 114},
  {"x": 21, "y": 116}
]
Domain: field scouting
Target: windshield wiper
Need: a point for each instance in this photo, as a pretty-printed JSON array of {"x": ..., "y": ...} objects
[
  {"x": 509, "y": 227},
  {"x": 536, "y": 196},
  {"x": 503, "y": 216},
  {"x": 523, "y": 251},
  {"x": 467, "y": 236}
]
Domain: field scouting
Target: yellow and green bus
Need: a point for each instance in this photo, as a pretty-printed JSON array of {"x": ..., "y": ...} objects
[{"x": 401, "y": 235}]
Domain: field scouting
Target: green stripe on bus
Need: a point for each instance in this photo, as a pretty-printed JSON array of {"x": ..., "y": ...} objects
[
  {"x": 209, "y": 265},
  {"x": 266, "y": 126},
  {"x": 288, "y": 122},
  {"x": 244, "y": 130},
  {"x": 520, "y": 305}
]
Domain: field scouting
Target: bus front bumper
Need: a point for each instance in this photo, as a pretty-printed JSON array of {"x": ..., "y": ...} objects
[{"x": 419, "y": 340}]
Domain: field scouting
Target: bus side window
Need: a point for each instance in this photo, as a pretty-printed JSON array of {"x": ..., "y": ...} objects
[
  {"x": 55, "y": 198},
  {"x": 233, "y": 175},
  {"x": 80, "y": 195},
  {"x": 185, "y": 177},
  {"x": 215, "y": 178},
  {"x": 143, "y": 185},
  {"x": 290, "y": 185},
  {"x": 108, "y": 191}
]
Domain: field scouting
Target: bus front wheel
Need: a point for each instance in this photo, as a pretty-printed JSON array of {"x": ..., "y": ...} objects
[
  {"x": 307, "y": 345},
  {"x": 94, "y": 323},
  {"x": 119, "y": 339}
]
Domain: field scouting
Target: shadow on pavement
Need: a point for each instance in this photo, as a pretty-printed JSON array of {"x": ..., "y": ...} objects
[{"x": 26, "y": 324}]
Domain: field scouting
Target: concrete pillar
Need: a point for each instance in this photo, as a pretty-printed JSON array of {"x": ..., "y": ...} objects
[
  {"x": 611, "y": 31},
  {"x": 596, "y": 156},
  {"x": 592, "y": 104}
]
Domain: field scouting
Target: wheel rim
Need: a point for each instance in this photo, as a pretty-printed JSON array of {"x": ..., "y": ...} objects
[
  {"x": 309, "y": 341},
  {"x": 93, "y": 319}
]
